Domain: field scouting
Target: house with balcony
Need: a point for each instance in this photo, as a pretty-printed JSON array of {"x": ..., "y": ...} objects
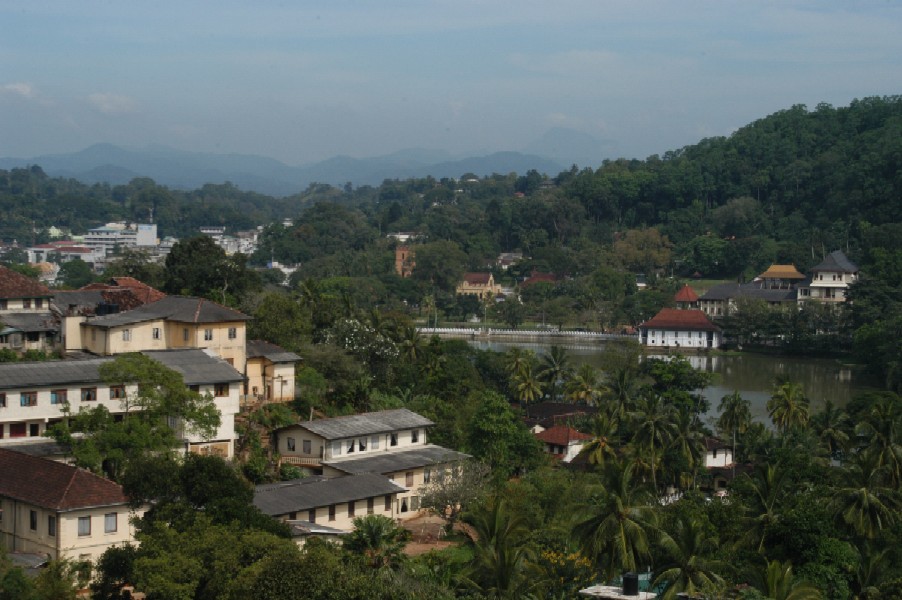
[
  {"x": 390, "y": 443},
  {"x": 35, "y": 395},
  {"x": 830, "y": 279},
  {"x": 60, "y": 511},
  {"x": 26, "y": 322}
]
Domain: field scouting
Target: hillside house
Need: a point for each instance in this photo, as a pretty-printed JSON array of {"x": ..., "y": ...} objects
[
  {"x": 60, "y": 511},
  {"x": 481, "y": 285},
  {"x": 562, "y": 442},
  {"x": 26, "y": 322}
]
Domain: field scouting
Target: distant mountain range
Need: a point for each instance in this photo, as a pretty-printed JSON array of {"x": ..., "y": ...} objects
[{"x": 190, "y": 170}]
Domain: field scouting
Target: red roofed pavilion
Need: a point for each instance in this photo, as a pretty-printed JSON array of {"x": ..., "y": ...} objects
[
  {"x": 675, "y": 328},
  {"x": 686, "y": 298}
]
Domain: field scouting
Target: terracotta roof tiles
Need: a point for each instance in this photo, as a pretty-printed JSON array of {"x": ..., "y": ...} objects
[
  {"x": 560, "y": 435},
  {"x": 16, "y": 285},
  {"x": 680, "y": 320},
  {"x": 686, "y": 294}
]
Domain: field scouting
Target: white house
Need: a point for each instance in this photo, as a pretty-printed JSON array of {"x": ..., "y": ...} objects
[
  {"x": 562, "y": 442},
  {"x": 830, "y": 280},
  {"x": 675, "y": 328}
]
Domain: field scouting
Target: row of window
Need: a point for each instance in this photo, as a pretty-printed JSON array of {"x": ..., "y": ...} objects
[
  {"x": 26, "y": 303},
  {"x": 88, "y": 394},
  {"x": 360, "y": 444},
  {"x": 20, "y": 430},
  {"x": 110, "y": 523},
  {"x": 157, "y": 334},
  {"x": 352, "y": 509}
]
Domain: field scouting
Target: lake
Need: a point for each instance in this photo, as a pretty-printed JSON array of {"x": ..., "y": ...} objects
[{"x": 753, "y": 375}]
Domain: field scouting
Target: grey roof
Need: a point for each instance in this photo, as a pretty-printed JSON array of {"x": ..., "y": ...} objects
[
  {"x": 77, "y": 298},
  {"x": 367, "y": 423},
  {"x": 270, "y": 351},
  {"x": 30, "y": 322},
  {"x": 727, "y": 291},
  {"x": 390, "y": 462},
  {"x": 306, "y": 528},
  {"x": 40, "y": 449},
  {"x": 836, "y": 262},
  {"x": 303, "y": 494},
  {"x": 196, "y": 367},
  {"x": 182, "y": 309}
]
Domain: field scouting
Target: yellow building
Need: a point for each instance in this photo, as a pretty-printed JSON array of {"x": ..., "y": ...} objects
[{"x": 479, "y": 284}]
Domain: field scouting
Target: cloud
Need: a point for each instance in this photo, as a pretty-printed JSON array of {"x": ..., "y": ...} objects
[
  {"x": 112, "y": 104},
  {"x": 19, "y": 88}
]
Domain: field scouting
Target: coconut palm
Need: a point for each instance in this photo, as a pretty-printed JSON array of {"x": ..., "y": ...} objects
[
  {"x": 654, "y": 428},
  {"x": 689, "y": 567},
  {"x": 788, "y": 406},
  {"x": 584, "y": 387},
  {"x": 528, "y": 386},
  {"x": 501, "y": 555},
  {"x": 688, "y": 439},
  {"x": 768, "y": 487},
  {"x": 831, "y": 426},
  {"x": 411, "y": 343},
  {"x": 555, "y": 368},
  {"x": 378, "y": 539},
  {"x": 867, "y": 502},
  {"x": 603, "y": 445},
  {"x": 882, "y": 429},
  {"x": 779, "y": 583},
  {"x": 620, "y": 524},
  {"x": 735, "y": 415}
]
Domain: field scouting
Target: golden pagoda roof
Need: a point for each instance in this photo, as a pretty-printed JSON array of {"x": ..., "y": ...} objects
[{"x": 782, "y": 272}]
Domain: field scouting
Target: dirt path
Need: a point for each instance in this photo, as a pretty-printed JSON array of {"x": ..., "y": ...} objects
[{"x": 428, "y": 533}]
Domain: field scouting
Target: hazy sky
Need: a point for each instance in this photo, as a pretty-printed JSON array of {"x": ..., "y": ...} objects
[{"x": 302, "y": 80}]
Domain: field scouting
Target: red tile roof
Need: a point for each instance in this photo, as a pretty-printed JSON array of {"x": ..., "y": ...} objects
[
  {"x": 120, "y": 289},
  {"x": 477, "y": 278},
  {"x": 53, "y": 485},
  {"x": 686, "y": 294},
  {"x": 561, "y": 435},
  {"x": 539, "y": 277},
  {"x": 16, "y": 285},
  {"x": 674, "y": 319}
]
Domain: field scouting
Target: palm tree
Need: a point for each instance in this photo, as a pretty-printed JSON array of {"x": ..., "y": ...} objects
[
  {"x": 555, "y": 367},
  {"x": 767, "y": 491},
  {"x": 688, "y": 569},
  {"x": 621, "y": 523},
  {"x": 867, "y": 502},
  {"x": 378, "y": 539},
  {"x": 689, "y": 440},
  {"x": 516, "y": 359},
  {"x": 655, "y": 428},
  {"x": 781, "y": 584},
  {"x": 411, "y": 343},
  {"x": 788, "y": 406},
  {"x": 735, "y": 416},
  {"x": 501, "y": 555},
  {"x": 831, "y": 426},
  {"x": 604, "y": 440},
  {"x": 584, "y": 387},
  {"x": 883, "y": 430},
  {"x": 528, "y": 386}
]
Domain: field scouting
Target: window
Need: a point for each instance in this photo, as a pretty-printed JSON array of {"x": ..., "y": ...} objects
[
  {"x": 414, "y": 436},
  {"x": 290, "y": 444},
  {"x": 58, "y": 397},
  {"x": 393, "y": 439},
  {"x": 88, "y": 394},
  {"x": 408, "y": 479},
  {"x": 350, "y": 446},
  {"x": 39, "y": 303},
  {"x": 307, "y": 446},
  {"x": 26, "y": 303},
  {"x": 17, "y": 430},
  {"x": 370, "y": 505},
  {"x": 221, "y": 390},
  {"x": 374, "y": 442},
  {"x": 2, "y": 304},
  {"x": 387, "y": 503},
  {"x": 427, "y": 475},
  {"x": 185, "y": 334},
  {"x": 336, "y": 448},
  {"x": 332, "y": 512},
  {"x": 33, "y": 520},
  {"x": 233, "y": 333},
  {"x": 156, "y": 333},
  {"x": 361, "y": 444},
  {"x": 311, "y": 515},
  {"x": 208, "y": 335},
  {"x": 117, "y": 392},
  {"x": 51, "y": 525},
  {"x": 84, "y": 526},
  {"x": 34, "y": 429},
  {"x": 126, "y": 335},
  {"x": 28, "y": 399},
  {"x": 110, "y": 522},
  {"x": 351, "y": 508},
  {"x": 194, "y": 388},
  {"x": 2, "y": 400}
]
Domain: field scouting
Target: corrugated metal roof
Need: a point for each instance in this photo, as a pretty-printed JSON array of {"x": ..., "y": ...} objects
[
  {"x": 182, "y": 309},
  {"x": 391, "y": 462},
  {"x": 270, "y": 351},
  {"x": 196, "y": 366},
  {"x": 726, "y": 291},
  {"x": 367, "y": 423},
  {"x": 837, "y": 262},
  {"x": 303, "y": 494}
]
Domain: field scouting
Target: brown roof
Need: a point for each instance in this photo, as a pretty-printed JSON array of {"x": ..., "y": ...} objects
[
  {"x": 680, "y": 320},
  {"x": 143, "y": 293},
  {"x": 539, "y": 277},
  {"x": 16, "y": 285},
  {"x": 560, "y": 435},
  {"x": 54, "y": 485},
  {"x": 686, "y": 294},
  {"x": 782, "y": 272},
  {"x": 477, "y": 278}
]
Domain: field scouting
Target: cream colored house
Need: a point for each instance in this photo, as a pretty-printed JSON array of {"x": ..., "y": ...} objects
[
  {"x": 391, "y": 443},
  {"x": 330, "y": 502},
  {"x": 58, "y": 510},
  {"x": 479, "y": 284},
  {"x": 34, "y": 394},
  {"x": 26, "y": 322},
  {"x": 830, "y": 280},
  {"x": 270, "y": 372}
]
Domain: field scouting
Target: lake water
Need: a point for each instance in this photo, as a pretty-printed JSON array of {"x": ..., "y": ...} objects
[{"x": 753, "y": 375}]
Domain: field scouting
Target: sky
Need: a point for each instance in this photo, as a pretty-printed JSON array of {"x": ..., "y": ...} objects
[{"x": 302, "y": 81}]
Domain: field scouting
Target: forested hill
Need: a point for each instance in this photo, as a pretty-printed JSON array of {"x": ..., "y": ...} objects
[{"x": 809, "y": 180}]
